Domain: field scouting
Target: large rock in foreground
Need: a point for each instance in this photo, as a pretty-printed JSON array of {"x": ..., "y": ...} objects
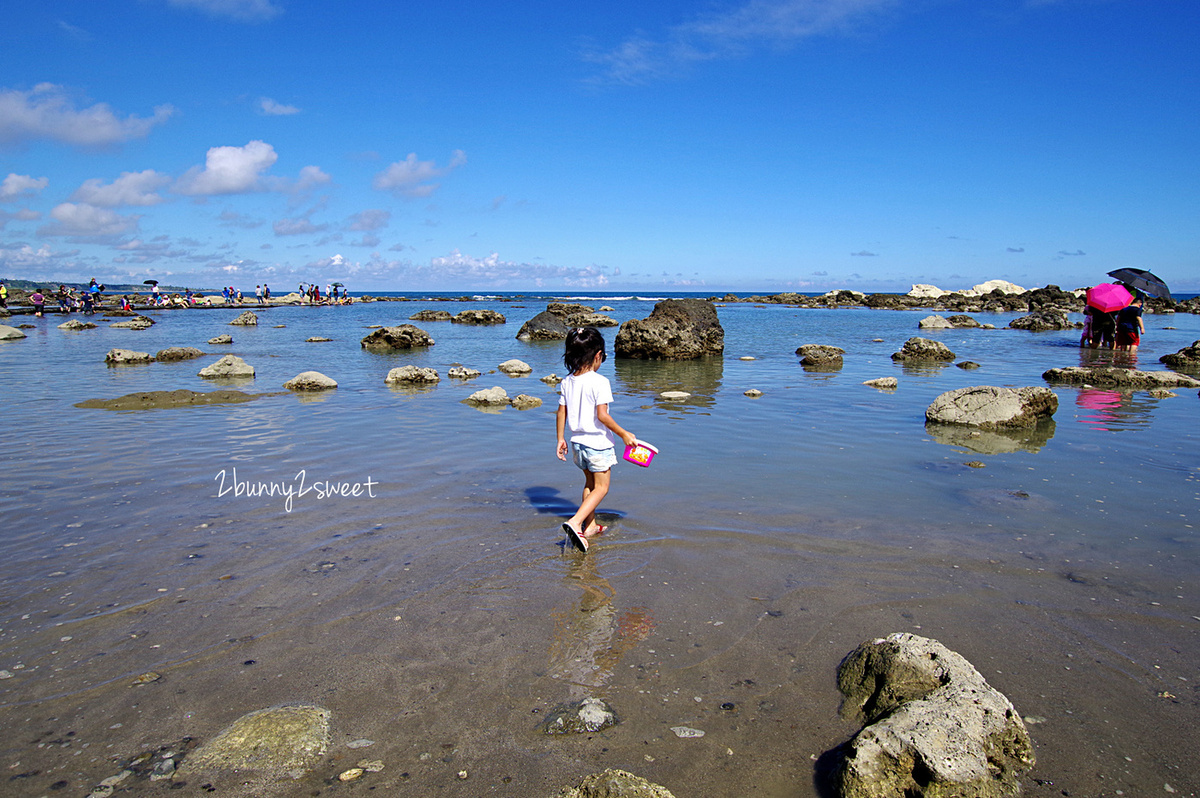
[
  {"x": 228, "y": 366},
  {"x": 677, "y": 329},
  {"x": 404, "y": 336},
  {"x": 1109, "y": 376},
  {"x": 613, "y": 783},
  {"x": 10, "y": 333},
  {"x": 935, "y": 729},
  {"x": 280, "y": 742},
  {"x": 923, "y": 350},
  {"x": 989, "y": 407}
]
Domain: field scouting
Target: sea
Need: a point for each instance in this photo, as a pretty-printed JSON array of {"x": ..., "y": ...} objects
[{"x": 394, "y": 554}]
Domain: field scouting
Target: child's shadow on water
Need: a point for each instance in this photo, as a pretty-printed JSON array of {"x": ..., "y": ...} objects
[{"x": 548, "y": 501}]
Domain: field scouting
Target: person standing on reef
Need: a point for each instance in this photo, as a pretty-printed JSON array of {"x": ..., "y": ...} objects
[
  {"x": 258, "y": 294},
  {"x": 39, "y": 302},
  {"x": 3, "y": 296},
  {"x": 266, "y": 292},
  {"x": 584, "y": 397},
  {"x": 1130, "y": 327}
]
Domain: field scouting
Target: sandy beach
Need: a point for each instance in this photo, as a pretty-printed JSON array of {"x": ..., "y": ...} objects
[{"x": 168, "y": 571}]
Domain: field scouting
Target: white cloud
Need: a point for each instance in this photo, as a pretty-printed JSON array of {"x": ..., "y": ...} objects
[
  {"x": 24, "y": 259},
  {"x": 457, "y": 268},
  {"x": 229, "y": 170},
  {"x": 131, "y": 188},
  {"x": 412, "y": 178},
  {"x": 310, "y": 178},
  {"x": 732, "y": 33},
  {"x": 81, "y": 219},
  {"x": 230, "y": 218},
  {"x": 295, "y": 227},
  {"x": 240, "y": 10},
  {"x": 272, "y": 108},
  {"x": 47, "y": 112},
  {"x": 22, "y": 215},
  {"x": 368, "y": 240},
  {"x": 373, "y": 219},
  {"x": 242, "y": 170},
  {"x": 336, "y": 262},
  {"x": 16, "y": 185}
]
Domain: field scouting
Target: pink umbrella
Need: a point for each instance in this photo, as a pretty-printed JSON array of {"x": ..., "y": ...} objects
[{"x": 1108, "y": 297}]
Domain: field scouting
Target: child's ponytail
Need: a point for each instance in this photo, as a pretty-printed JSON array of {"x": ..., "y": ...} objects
[{"x": 582, "y": 345}]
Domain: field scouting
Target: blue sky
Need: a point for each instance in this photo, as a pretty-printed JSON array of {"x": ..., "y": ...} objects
[{"x": 752, "y": 145}]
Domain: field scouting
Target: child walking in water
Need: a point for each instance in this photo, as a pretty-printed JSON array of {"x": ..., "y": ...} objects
[{"x": 583, "y": 402}]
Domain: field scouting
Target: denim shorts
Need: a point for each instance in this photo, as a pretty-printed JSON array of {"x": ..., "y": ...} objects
[{"x": 594, "y": 460}]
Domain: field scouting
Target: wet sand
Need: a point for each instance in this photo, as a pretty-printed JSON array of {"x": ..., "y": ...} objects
[{"x": 443, "y": 620}]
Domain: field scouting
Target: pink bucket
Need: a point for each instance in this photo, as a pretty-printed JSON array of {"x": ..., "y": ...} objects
[{"x": 640, "y": 453}]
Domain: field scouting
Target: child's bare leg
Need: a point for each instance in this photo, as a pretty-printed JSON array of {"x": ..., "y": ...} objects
[{"x": 594, "y": 491}]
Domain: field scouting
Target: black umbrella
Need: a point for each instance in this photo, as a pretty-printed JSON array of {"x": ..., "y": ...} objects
[
  {"x": 149, "y": 282},
  {"x": 1142, "y": 280}
]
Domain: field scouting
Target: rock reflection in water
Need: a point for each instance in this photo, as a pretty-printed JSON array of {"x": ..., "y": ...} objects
[
  {"x": 646, "y": 379},
  {"x": 985, "y": 441},
  {"x": 590, "y": 634}
]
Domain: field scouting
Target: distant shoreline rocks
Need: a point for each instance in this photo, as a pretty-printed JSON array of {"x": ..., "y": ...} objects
[{"x": 1002, "y": 297}]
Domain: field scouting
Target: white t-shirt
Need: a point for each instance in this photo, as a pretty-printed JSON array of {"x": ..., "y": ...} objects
[{"x": 580, "y": 395}]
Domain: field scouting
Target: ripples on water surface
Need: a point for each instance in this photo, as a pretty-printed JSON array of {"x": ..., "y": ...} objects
[{"x": 826, "y": 502}]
